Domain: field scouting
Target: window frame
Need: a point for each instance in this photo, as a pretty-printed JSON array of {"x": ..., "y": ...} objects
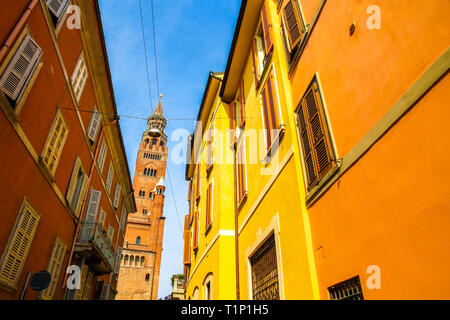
[
  {"x": 78, "y": 165},
  {"x": 81, "y": 60},
  {"x": 241, "y": 197}
]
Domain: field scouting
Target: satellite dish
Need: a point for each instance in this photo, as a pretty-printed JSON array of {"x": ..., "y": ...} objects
[{"x": 40, "y": 281}]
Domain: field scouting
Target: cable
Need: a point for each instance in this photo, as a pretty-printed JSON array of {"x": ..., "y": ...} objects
[
  {"x": 146, "y": 58},
  {"x": 154, "y": 45},
  {"x": 174, "y": 202}
]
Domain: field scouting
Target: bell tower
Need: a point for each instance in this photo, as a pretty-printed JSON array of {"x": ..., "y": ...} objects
[{"x": 141, "y": 255}]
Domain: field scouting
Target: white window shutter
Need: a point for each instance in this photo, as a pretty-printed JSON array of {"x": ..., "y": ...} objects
[
  {"x": 79, "y": 77},
  {"x": 57, "y": 6},
  {"x": 110, "y": 177},
  {"x": 117, "y": 196},
  {"x": 124, "y": 218},
  {"x": 94, "y": 124},
  {"x": 20, "y": 67},
  {"x": 102, "y": 156},
  {"x": 92, "y": 209}
]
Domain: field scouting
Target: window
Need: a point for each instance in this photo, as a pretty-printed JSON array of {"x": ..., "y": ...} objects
[
  {"x": 92, "y": 207},
  {"x": 110, "y": 233},
  {"x": 144, "y": 211},
  {"x": 187, "y": 241},
  {"x": 102, "y": 156},
  {"x": 316, "y": 145},
  {"x": 117, "y": 195},
  {"x": 18, "y": 72},
  {"x": 147, "y": 277},
  {"x": 117, "y": 262},
  {"x": 240, "y": 106},
  {"x": 271, "y": 112},
  {"x": 197, "y": 181},
  {"x": 54, "y": 268},
  {"x": 210, "y": 148},
  {"x": 109, "y": 179},
  {"x": 209, "y": 203},
  {"x": 142, "y": 261},
  {"x": 57, "y": 7},
  {"x": 293, "y": 26},
  {"x": 207, "y": 284},
  {"x": 138, "y": 240},
  {"x": 142, "y": 193},
  {"x": 79, "y": 77},
  {"x": 347, "y": 290},
  {"x": 16, "y": 251},
  {"x": 154, "y": 141},
  {"x": 94, "y": 125},
  {"x": 195, "y": 232},
  {"x": 241, "y": 173},
  {"x": 55, "y": 143},
  {"x": 265, "y": 272},
  {"x": 262, "y": 45},
  {"x": 77, "y": 187},
  {"x": 102, "y": 218},
  {"x": 124, "y": 218}
]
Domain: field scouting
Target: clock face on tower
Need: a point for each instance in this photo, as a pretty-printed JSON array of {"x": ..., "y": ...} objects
[{"x": 141, "y": 255}]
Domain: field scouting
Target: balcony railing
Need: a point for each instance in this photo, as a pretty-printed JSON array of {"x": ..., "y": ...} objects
[{"x": 93, "y": 234}]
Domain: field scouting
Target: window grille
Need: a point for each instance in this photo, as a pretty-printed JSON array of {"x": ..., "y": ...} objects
[{"x": 347, "y": 290}]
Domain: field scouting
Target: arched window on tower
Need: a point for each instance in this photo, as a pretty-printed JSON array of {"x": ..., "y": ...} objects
[
  {"x": 131, "y": 260},
  {"x": 125, "y": 260},
  {"x": 147, "y": 277},
  {"x": 138, "y": 240},
  {"x": 142, "y": 261}
]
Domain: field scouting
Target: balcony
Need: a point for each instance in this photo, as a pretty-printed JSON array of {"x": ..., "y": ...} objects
[{"x": 94, "y": 245}]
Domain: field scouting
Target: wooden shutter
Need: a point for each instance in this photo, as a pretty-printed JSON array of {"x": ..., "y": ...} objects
[
  {"x": 94, "y": 124},
  {"x": 255, "y": 63},
  {"x": 187, "y": 247},
  {"x": 293, "y": 23},
  {"x": 73, "y": 180},
  {"x": 92, "y": 209},
  {"x": 233, "y": 122},
  {"x": 110, "y": 177},
  {"x": 314, "y": 136},
  {"x": 270, "y": 111},
  {"x": 118, "y": 258},
  {"x": 57, "y": 6},
  {"x": 195, "y": 233},
  {"x": 240, "y": 167},
  {"x": 55, "y": 143},
  {"x": 110, "y": 234},
  {"x": 117, "y": 196},
  {"x": 189, "y": 190},
  {"x": 20, "y": 67},
  {"x": 19, "y": 245},
  {"x": 242, "y": 104},
  {"x": 54, "y": 268},
  {"x": 84, "y": 273},
  {"x": 265, "y": 14},
  {"x": 186, "y": 222},
  {"x": 102, "y": 156},
  {"x": 208, "y": 206},
  {"x": 124, "y": 219},
  {"x": 197, "y": 181},
  {"x": 81, "y": 196},
  {"x": 79, "y": 77}
]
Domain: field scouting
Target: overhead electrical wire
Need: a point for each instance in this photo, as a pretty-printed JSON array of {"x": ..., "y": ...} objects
[{"x": 146, "y": 58}]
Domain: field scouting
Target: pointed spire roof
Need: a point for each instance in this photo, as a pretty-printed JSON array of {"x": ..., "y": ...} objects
[{"x": 159, "y": 109}]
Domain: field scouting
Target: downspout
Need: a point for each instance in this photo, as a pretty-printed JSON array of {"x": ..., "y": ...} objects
[
  {"x": 154, "y": 260},
  {"x": 236, "y": 227},
  {"x": 19, "y": 26},
  {"x": 81, "y": 218}
]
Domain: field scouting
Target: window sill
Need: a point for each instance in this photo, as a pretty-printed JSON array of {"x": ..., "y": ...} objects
[
  {"x": 313, "y": 195},
  {"x": 208, "y": 228}
]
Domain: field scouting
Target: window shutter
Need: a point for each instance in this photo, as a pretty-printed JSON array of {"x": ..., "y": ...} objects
[
  {"x": 233, "y": 122},
  {"x": 240, "y": 165},
  {"x": 118, "y": 257},
  {"x": 92, "y": 209},
  {"x": 105, "y": 292},
  {"x": 81, "y": 197},
  {"x": 271, "y": 117},
  {"x": 55, "y": 143},
  {"x": 20, "y": 67},
  {"x": 195, "y": 233},
  {"x": 57, "y": 6},
  {"x": 110, "y": 233},
  {"x": 19, "y": 245},
  {"x": 208, "y": 206},
  {"x": 314, "y": 136},
  {"x": 110, "y": 177},
  {"x": 189, "y": 190},
  {"x": 79, "y": 77},
  {"x": 73, "y": 179},
  {"x": 88, "y": 286},
  {"x": 186, "y": 222},
  {"x": 187, "y": 247},
  {"x": 293, "y": 23},
  {"x": 84, "y": 273},
  {"x": 255, "y": 64},
  {"x": 197, "y": 182},
  {"x": 266, "y": 28},
  {"x": 102, "y": 218},
  {"x": 124, "y": 218},
  {"x": 54, "y": 268},
  {"x": 94, "y": 124},
  {"x": 242, "y": 104},
  {"x": 102, "y": 156},
  {"x": 117, "y": 196}
]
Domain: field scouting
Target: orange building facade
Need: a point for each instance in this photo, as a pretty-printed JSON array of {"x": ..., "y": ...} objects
[
  {"x": 141, "y": 256},
  {"x": 66, "y": 187}
]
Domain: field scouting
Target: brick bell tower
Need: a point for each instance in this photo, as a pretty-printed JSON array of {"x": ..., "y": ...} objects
[{"x": 141, "y": 255}]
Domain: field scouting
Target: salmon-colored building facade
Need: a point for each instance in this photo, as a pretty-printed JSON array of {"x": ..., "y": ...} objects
[{"x": 65, "y": 186}]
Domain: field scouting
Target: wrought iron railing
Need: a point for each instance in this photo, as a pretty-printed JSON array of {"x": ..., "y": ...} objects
[{"x": 93, "y": 233}]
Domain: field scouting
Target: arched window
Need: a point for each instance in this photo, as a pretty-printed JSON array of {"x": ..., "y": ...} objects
[
  {"x": 136, "y": 263},
  {"x": 147, "y": 277},
  {"x": 125, "y": 260},
  {"x": 207, "y": 287},
  {"x": 142, "y": 261},
  {"x": 131, "y": 260},
  {"x": 138, "y": 240},
  {"x": 195, "y": 294}
]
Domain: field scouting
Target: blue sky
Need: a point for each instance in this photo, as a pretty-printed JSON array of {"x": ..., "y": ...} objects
[{"x": 192, "y": 38}]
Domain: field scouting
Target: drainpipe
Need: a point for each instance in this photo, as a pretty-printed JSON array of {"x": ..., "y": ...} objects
[
  {"x": 17, "y": 29},
  {"x": 81, "y": 218},
  {"x": 236, "y": 227},
  {"x": 154, "y": 260}
]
